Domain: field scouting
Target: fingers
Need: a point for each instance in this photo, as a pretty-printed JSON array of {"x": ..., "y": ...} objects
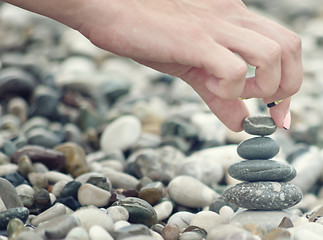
[
  {"x": 229, "y": 112},
  {"x": 280, "y": 112},
  {"x": 291, "y": 60}
]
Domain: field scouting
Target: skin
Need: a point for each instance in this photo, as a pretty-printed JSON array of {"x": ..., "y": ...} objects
[{"x": 197, "y": 41}]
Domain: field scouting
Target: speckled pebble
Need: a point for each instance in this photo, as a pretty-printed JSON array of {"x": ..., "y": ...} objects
[
  {"x": 19, "y": 212},
  {"x": 263, "y": 195}
]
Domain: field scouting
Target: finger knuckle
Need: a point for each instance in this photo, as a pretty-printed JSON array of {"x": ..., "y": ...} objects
[
  {"x": 273, "y": 53},
  {"x": 237, "y": 71},
  {"x": 294, "y": 44}
]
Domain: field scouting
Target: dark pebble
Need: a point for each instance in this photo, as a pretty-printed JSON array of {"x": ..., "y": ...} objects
[
  {"x": 258, "y": 148},
  {"x": 262, "y": 170},
  {"x": 21, "y": 212},
  {"x": 54, "y": 160},
  {"x": 70, "y": 189}
]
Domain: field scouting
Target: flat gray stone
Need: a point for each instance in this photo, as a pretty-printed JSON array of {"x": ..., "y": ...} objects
[
  {"x": 259, "y": 125},
  {"x": 262, "y": 170},
  {"x": 263, "y": 195},
  {"x": 9, "y": 195},
  {"x": 258, "y": 148}
]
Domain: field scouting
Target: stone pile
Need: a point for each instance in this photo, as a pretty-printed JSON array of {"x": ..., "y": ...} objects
[{"x": 265, "y": 183}]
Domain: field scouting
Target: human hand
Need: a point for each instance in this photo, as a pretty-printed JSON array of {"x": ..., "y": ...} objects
[{"x": 196, "y": 41}]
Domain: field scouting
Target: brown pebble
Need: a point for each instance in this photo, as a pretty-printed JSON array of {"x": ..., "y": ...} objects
[
  {"x": 170, "y": 232},
  {"x": 286, "y": 223},
  {"x": 277, "y": 234},
  {"x": 54, "y": 160},
  {"x": 75, "y": 158}
]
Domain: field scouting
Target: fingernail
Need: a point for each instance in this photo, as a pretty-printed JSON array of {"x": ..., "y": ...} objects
[
  {"x": 287, "y": 121},
  {"x": 243, "y": 98}
]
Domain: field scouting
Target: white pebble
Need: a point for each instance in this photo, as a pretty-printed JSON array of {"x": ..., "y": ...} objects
[
  {"x": 118, "y": 213},
  {"x": 121, "y": 133},
  {"x": 121, "y": 224},
  {"x": 88, "y": 194},
  {"x": 190, "y": 192},
  {"x": 54, "y": 176},
  {"x": 206, "y": 220},
  {"x": 163, "y": 210},
  {"x": 99, "y": 233},
  {"x": 58, "y": 187},
  {"x": 226, "y": 213},
  {"x": 181, "y": 219},
  {"x": 77, "y": 233}
]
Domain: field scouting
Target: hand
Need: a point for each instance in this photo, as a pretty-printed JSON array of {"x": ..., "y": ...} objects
[{"x": 196, "y": 41}]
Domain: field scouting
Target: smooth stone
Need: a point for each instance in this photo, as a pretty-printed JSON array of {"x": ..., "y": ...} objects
[
  {"x": 226, "y": 213},
  {"x": 15, "y": 81},
  {"x": 118, "y": 213},
  {"x": 307, "y": 231},
  {"x": 207, "y": 170},
  {"x": 163, "y": 210},
  {"x": 25, "y": 166},
  {"x": 115, "y": 88},
  {"x": 58, "y": 227},
  {"x": 190, "y": 192},
  {"x": 54, "y": 177},
  {"x": 260, "y": 218},
  {"x": 121, "y": 133},
  {"x": 286, "y": 223},
  {"x": 229, "y": 232},
  {"x": 90, "y": 216},
  {"x": 56, "y": 210},
  {"x": 152, "y": 192},
  {"x": 258, "y": 148},
  {"x": 19, "y": 107},
  {"x": 121, "y": 224},
  {"x": 26, "y": 194},
  {"x": 262, "y": 170},
  {"x": 120, "y": 179},
  {"x": 28, "y": 235},
  {"x": 190, "y": 236},
  {"x": 308, "y": 162},
  {"x": 131, "y": 230},
  {"x": 170, "y": 232},
  {"x": 14, "y": 225},
  {"x": 58, "y": 187},
  {"x": 88, "y": 194},
  {"x": 69, "y": 202},
  {"x": 206, "y": 220},
  {"x": 139, "y": 210},
  {"x": 259, "y": 125},
  {"x": 218, "y": 204},
  {"x": 158, "y": 164},
  {"x": 42, "y": 199},
  {"x": 83, "y": 178},
  {"x": 35, "y": 122},
  {"x": 182, "y": 219},
  {"x": 101, "y": 182},
  {"x": 263, "y": 195},
  {"x": 75, "y": 158},
  {"x": 15, "y": 179},
  {"x": 197, "y": 230},
  {"x": 8, "y": 168},
  {"x": 9, "y": 195},
  {"x": 38, "y": 180},
  {"x": 51, "y": 158},
  {"x": 42, "y": 137},
  {"x": 70, "y": 189},
  {"x": 158, "y": 228},
  {"x": 277, "y": 234},
  {"x": 77, "y": 233},
  {"x": 44, "y": 102},
  {"x": 99, "y": 233},
  {"x": 139, "y": 237},
  {"x": 179, "y": 127},
  {"x": 21, "y": 213}
]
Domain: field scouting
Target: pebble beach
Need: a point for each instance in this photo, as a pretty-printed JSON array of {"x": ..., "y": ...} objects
[{"x": 95, "y": 146}]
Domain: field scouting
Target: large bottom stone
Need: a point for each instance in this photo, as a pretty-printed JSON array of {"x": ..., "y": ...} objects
[{"x": 263, "y": 195}]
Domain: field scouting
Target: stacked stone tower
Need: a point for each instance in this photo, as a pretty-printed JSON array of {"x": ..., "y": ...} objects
[{"x": 265, "y": 183}]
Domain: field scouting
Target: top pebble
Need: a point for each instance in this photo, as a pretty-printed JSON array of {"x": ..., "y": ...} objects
[{"x": 259, "y": 125}]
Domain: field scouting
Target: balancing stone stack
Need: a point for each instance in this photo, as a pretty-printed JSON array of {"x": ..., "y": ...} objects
[{"x": 265, "y": 181}]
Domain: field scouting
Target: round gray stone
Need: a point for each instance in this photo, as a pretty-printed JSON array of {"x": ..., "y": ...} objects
[
  {"x": 263, "y": 195},
  {"x": 258, "y": 148},
  {"x": 259, "y": 125},
  {"x": 262, "y": 170},
  {"x": 139, "y": 210}
]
